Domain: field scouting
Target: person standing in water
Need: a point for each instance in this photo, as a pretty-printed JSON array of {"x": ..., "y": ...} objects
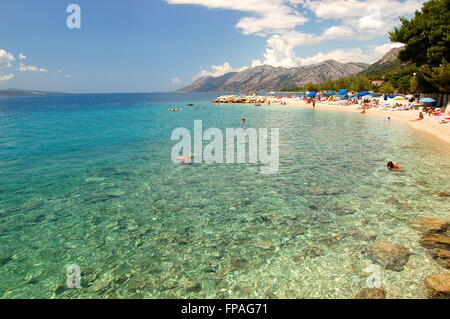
[
  {"x": 243, "y": 121},
  {"x": 314, "y": 102}
]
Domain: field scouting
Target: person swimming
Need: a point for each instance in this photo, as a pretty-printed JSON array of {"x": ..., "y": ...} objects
[
  {"x": 391, "y": 166},
  {"x": 243, "y": 121}
]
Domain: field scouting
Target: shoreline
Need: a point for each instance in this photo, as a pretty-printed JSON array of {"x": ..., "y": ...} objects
[{"x": 428, "y": 125}]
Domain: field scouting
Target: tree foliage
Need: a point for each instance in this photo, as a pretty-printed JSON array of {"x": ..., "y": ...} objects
[{"x": 427, "y": 45}]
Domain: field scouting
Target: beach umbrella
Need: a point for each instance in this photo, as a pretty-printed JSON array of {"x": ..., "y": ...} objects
[
  {"x": 400, "y": 98},
  {"x": 394, "y": 96},
  {"x": 363, "y": 93},
  {"x": 312, "y": 94},
  {"x": 342, "y": 92},
  {"x": 427, "y": 100},
  {"x": 377, "y": 95},
  {"x": 330, "y": 93}
]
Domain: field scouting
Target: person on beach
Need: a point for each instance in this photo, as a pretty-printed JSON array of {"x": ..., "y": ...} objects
[
  {"x": 420, "y": 117},
  {"x": 391, "y": 166},
  {"x": 314, "y": 102}
]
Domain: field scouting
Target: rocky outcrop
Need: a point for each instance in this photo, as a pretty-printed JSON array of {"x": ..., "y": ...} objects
[
  {"x": 438, "y": 285},
  {"x": 435, "y": 241},
  {"x": 430, "y": 224},
  {"x": 390, "y": 256},
  {"x": 371, "y": 293}
]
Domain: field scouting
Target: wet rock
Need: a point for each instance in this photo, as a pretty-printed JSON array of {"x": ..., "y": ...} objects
[
  {"x": 333, "y": 240},
  {"x": 421, "y": 182},
  {"x": 314, "y": 251},
  {"x": 435, "y": 241},
  {"x": 442, "y": 256},
  {"x": 438, "y": 285},
  {"x": 430, "y": 224},
  {"x": 371, "y": 293},
  {"x": 389, "y": 255},
  {"x": 343, "y": 211},
  {"x": 444, "y": 194}
]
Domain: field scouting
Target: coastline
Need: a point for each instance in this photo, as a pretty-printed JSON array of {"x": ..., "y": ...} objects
[{"x": 428, "y": 125}]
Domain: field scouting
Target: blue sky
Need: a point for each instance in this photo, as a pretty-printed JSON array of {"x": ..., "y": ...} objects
[{"x": 161, "y": 45}]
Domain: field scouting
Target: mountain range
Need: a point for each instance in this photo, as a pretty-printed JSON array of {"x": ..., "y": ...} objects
[{"x": 269, "y": 78}]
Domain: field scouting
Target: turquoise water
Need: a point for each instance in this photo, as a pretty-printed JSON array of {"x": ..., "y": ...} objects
[{"x": 88, "y": 180}]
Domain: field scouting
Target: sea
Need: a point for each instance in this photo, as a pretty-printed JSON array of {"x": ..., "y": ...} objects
[{"x": 92, "y": 205}]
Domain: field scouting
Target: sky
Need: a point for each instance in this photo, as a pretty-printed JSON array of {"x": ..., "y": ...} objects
[{"x": 163, "y": 45}]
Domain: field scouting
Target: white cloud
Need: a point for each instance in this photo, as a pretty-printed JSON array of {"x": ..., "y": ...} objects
[
  {"x": 22, "y": 56},
  {"x": 279, "y": 22},
  {"x": 266, "y": 15},
  {"x": 6, "y": 59},
  {"x": 218, "y": 70},
  {"x": 176, "y": 80},
  {"x": 6, "y": 77},
  {"x": 25, "y": 68},
  {"x": 67, "y": 76}
]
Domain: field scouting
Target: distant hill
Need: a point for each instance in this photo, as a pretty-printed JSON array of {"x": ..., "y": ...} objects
[
  {"x": 26, "y": 92},
  {"x": 269, "y": 78},
  {"x": 389, "y": 62}
]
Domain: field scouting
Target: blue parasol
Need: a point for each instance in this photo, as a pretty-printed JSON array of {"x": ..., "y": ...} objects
[{"x": 427, "y": 100}]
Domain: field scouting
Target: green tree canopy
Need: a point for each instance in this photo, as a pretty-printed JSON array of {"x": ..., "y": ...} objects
[{"x": 427, "y": 35}]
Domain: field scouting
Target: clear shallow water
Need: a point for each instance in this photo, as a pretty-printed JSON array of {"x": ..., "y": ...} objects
[{"x": 86, "y": 180}]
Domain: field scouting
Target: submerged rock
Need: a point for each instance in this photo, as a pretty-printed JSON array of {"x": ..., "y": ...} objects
[
  {"x": 266, "y": 245},
  {"x": 442, "y": 256},
  {"x": 343, "y": 211},
  {"x": 430, "y": 224},
  {"x": 5, "y": 259},
  {"x": 435, "y": 241},
  {"x": 333, "y": 240},
  {"x": 271, "y": 295},
  {"x": 314, "y": 251},
  {"x": 371, "y": 293},
  {"x": 390, "y": 256},
  {"x": 193, "y": 287},
  {"x": 438, "y": 285},
  {"x": 238, "y": 264},
  {"x": 394, "y": 201},
  {"x": 444, "y": 194}
]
